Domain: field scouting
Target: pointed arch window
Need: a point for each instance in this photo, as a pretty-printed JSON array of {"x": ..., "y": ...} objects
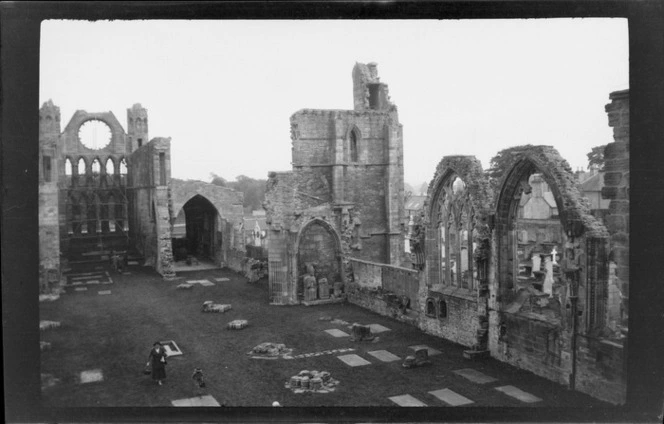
[
  {"x": 68, "y": 169},
  {"x": 109, "y": 167},
  {"x": 455, "y": 235},
  {"x": 353, "y": 145},
  {"x": 96, "y": 167},
  {"x": 81, "y": 168},
  {"x": 123, "y": 167}
]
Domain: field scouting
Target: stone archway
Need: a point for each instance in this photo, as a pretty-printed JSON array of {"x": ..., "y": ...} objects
[
  {"x": 197, "y": 236},
  {"x": 317, "y": 245}
]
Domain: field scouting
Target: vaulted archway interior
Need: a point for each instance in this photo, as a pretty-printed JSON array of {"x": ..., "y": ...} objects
[
  {"x": 318, "y": 252},
  {"x": 194, "y": 231}
]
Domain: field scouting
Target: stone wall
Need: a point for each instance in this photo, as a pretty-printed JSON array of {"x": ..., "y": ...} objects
[
  {"x": 382, "y": 288},
  {"x": 347, "y": 173},
  {"x": 462, "y": 316},
  {"x": 49, "y": 203},
  {"x": 228, "y": 204},
  {"x": 150, "y": 216},
  {"x": 562, "y": 338},
  {"x": 616, "y": 188}
]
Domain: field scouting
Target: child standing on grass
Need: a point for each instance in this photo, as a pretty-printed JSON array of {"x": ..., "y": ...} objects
[
  {"x": 157, "y": 360},
  {"x": 199, "y": 383}
]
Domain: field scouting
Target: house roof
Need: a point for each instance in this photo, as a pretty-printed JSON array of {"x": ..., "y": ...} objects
[
  {"x": 415, "y": 203},
  {"x": 594, "y": 183}
]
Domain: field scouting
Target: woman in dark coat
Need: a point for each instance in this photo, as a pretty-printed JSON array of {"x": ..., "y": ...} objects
[{"x": 158, "y": 361}]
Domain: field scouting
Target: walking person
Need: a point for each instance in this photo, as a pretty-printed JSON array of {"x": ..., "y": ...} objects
[{"x": 157, "y": 360}]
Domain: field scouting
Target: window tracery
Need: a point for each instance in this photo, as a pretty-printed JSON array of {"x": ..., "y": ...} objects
[{"x": 455, "y": 234}]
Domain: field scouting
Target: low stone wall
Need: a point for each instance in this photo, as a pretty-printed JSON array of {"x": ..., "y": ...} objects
[
  {"x": 381, "y": 288},
  {"x": 252, "y": 269},
  {"x": 600, "y": 369}
]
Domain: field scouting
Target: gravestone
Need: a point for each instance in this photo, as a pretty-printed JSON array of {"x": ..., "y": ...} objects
[
  {"x": 323, "y": 289},
  {"x": 310, "y": 288},
  {"x": 361, "y": 333},
  {"x": 338, "y": 289}
]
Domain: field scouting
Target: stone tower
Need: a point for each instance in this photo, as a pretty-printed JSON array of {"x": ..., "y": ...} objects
[
  {"x": 344, "y": 196},
  {"x": 137, "y": 127}
]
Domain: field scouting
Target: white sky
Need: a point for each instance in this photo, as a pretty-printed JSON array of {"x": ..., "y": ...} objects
[{"x": 225, "y": 90}]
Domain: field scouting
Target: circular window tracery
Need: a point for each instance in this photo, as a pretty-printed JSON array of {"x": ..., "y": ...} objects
[{"x": 95, "y": 134}]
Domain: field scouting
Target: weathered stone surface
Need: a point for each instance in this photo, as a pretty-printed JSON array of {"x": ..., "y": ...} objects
[{"x": 345, "y": 162}]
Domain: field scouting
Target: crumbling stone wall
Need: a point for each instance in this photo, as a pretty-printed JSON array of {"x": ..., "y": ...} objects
[
  {"x": 49, "y": 231},
  {"x": 348, "y": 173},
  {"x": 564, "y": 346},
  {"x": 465, "y": 313},
  {"x": 151, "y": 196},
  {"x": 616, "y": 188},
  {"x": 230, "y": 249}
]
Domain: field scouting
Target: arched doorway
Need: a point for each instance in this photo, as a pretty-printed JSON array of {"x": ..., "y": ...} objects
[
  {"x": 318, "y": 247},
  {"x": 194, "y": 231}
]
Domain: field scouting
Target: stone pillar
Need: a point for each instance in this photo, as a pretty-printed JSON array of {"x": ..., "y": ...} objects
[
  {"x": 338, "y": 160},
  {"x": 49, "y": 196},
  {"x": 616, "y": 188}
]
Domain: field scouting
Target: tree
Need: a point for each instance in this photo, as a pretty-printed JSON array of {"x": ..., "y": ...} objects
[
  {"x": 218, "y": 180},
  {"x": 254, "y": 190},
  {"x": 596, "y": 158},
  {"x": 424, "y": 188}
]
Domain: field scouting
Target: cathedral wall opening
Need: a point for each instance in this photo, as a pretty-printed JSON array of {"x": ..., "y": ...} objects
[{"x": 317, "y": 254}]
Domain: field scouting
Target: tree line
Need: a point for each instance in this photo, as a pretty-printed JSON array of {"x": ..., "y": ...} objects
[{"x": 253, "y": 189}]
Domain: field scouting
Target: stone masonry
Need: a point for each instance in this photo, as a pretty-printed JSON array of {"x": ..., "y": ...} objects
[
  {"x": 347, "y": 178},
  {"x": 115, "y": 195}
]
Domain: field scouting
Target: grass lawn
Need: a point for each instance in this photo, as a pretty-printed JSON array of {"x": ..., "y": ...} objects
[{"x": 115, "y": 332}]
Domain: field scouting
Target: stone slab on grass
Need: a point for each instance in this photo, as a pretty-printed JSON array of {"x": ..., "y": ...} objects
[
  {"x": 103, "y": 292},
  {"x": 407, "y": 400},
  {"x": 377, "y": 328},
  {"x": 171, "y": 348},
  {"x": 432, "y": 351},
  {"x": 519, "y": 394},
  {"x": 384, "y": 356},
  {"x": 196, "y": 401},
  {"x": 450, "y": 397},
  {"x": 46, "y": 324},
  {"x": 81, "y": 289},
  {"x": 132, "y": 262},
  {"x": 91, "y": 376},
  {"x": 92, "y": 282},
  {"x": 222, "y": 279},
  {"x": 77, "y": 277},
  {"x": 354, "y": 360},
  {"x": 337, "y": 333},
  {"x": 475, "y": 376},
  {"x": 204, "y": 283}
]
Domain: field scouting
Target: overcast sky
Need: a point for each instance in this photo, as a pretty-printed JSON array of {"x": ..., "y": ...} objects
[{"x": 224, "y": 90}]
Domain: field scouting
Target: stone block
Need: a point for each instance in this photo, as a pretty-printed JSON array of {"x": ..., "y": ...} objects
[
  {"x": 237, "y": 324},
  {"x": 612, "y": 178}
]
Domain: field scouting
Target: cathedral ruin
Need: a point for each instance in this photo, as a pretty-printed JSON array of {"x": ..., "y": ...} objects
[
  {"x": 103, "y": 190},
  {"x": 522, "y": 268}
]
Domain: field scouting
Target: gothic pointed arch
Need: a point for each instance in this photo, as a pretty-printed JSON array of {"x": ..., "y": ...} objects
[
  {"x": 354, "y": 138},
  {"x": 456, "y": 223}
]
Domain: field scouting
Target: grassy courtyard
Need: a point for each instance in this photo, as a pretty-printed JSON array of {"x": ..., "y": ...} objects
[{"x": 114, "y": 333}]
